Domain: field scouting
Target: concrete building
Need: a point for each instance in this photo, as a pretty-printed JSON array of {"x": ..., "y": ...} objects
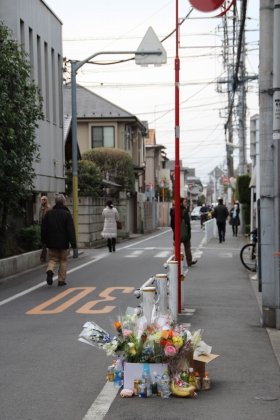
[{"x": 39, "y": 31}]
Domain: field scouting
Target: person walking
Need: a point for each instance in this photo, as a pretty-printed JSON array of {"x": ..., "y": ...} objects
[
  {"x": 111, "y": 217},
  {"x": 44, "y": 208},
  {"x": 234, "y": 218},
  {"x": 221, "y": 213},
  {"x": 203, "y": 215},
  {"x": 57, "y": 231},
  {"x": 186, "y": 231}
]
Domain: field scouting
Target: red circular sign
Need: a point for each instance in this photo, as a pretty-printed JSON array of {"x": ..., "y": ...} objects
[{"x": 206, "y": 5}]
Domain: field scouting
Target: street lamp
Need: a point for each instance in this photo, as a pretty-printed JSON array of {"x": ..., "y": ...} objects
[{"x": 150, "y": 51}]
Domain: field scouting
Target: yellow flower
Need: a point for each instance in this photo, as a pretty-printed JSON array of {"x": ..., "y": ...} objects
[{"x": 177, "y": 341}]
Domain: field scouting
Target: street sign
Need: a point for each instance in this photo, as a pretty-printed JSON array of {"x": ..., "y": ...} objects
[
  {"x": 207, "y": 5},
  {"x": 150, "y": 43},
  {"x": 212, "y": 5}
]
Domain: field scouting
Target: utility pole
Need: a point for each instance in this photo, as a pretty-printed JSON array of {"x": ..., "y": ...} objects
[
  {"x": 276, "y": 140},
  {"x": 242, "y": 112},
  {"x": 267, "y": 217}
]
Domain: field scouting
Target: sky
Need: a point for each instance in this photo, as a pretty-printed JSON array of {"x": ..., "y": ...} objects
[{"x": 91, "y": 26}]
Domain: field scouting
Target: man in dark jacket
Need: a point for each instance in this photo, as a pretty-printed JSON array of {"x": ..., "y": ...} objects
[
  {"x": 221, "y": 214},
  {"x": 57, "y": 231}
]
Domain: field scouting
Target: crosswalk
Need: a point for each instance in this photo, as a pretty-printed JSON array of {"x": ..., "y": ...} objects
[{"x": 154, "y": 252}]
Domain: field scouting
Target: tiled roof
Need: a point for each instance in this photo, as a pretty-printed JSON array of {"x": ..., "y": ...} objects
[{"x": 90, "y": 105}]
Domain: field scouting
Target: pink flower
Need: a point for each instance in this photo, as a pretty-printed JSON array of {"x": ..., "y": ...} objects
[
  {"x": 169, "y": 351},
  {"x": 126, "y": 333}
]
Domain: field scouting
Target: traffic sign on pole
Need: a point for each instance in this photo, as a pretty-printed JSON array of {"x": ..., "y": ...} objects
[
  {"x": 150, "y": 43},
  {"x": 207, "y": 5}
]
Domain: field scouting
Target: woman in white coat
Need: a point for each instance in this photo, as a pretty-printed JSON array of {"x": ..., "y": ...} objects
[{"x": 111, "y": 216}]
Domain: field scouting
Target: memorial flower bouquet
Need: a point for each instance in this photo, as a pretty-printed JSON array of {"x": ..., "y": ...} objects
[{"x": 136, "y": 342}]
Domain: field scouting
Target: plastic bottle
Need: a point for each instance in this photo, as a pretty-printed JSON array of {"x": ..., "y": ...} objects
[
  {"x": 206, "y": 382},
  {"x": 146, "y": 379},
  {"x": 197, "y": 381},
  {"x": 118, "y": 374}
]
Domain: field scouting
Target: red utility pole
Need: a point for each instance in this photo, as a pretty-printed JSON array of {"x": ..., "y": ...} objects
[{"x": 177, "y": 160}]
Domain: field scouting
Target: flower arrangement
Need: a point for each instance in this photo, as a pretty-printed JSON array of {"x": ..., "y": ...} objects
[{"x": 135, "y": 342}]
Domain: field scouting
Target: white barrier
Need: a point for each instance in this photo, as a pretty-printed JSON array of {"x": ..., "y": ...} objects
[
  {"x": 149, "y": 294},
  {"x": 173, "y": 288},
  {"x": 210, "y": 231},
  {"x": 163, "y": 293},
  {"x": 160, "y": 293}
]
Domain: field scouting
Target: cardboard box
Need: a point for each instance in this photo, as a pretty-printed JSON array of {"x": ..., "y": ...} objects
[
  {"x": 198, "y": 363},
  {"x": 134, "y": 371}
]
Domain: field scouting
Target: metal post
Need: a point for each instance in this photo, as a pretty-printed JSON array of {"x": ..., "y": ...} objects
[
  {"x": 75, "y": 66},
  {"x": 74, "y": 147},
  {"x": 177, "y": 160}
]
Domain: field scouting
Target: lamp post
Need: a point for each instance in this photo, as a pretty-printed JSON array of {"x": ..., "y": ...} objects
[{"x": 150, "y": 51}]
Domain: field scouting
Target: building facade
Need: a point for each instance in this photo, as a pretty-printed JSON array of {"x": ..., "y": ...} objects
[{"x": 39, "y": 31}]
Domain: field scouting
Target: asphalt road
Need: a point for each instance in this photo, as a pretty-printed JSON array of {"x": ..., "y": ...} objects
[{"x": 46, "y": 374}]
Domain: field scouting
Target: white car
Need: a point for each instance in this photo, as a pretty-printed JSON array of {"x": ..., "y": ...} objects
[{"x": 195, "y": 214}]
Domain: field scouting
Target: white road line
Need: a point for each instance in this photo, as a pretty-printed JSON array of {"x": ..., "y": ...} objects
[
  {"x": 162, "y": 254},
  {"x": 100, "y": 257},
  {"x": 101, "y": 405},
  {"x": 134, "y": 254}
]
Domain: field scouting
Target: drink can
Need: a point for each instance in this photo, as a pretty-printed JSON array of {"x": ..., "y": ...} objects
[{"x": 136, "y": 385}]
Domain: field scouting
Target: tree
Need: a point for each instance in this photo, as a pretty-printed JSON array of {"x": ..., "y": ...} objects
[
  {"x": 20, "y": 111},
  {"x": 90, "y": 179},
  {"x": 115, "y": 164}
]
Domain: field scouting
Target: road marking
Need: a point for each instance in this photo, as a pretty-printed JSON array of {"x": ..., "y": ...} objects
[
  {"x": 103, "y": 402},
  {"x": 100, "y": 257},
  {"x": 134, "y": 254},
  {"x": 105, "y": 294},
  {"x": 41, "y": 309},
  {"x": 162, "y": 254}
]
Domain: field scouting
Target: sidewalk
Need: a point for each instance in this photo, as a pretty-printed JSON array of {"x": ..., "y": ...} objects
[{"x": 226, "y": 302}]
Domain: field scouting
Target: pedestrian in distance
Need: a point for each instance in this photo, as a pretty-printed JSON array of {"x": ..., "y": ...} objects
[
  {"x": 57, "y": 232},
  {"x": 186, "y": 231},
  {"x": 221, "y": 213},
  {"x": 111, "y": 217},
  {"x": 44, "y": 208},
  {"x": 234, "y": 220},
  {"x": 203, "y": 215}
]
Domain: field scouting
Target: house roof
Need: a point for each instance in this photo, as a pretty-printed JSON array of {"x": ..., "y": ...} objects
[{"x": 90, "y": 105}]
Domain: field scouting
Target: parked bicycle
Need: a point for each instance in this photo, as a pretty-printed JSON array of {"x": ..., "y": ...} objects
[{"x": 248, "y": 253}]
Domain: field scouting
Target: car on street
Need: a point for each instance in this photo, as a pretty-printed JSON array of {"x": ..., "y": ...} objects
[{"x": 195, "y": 214}]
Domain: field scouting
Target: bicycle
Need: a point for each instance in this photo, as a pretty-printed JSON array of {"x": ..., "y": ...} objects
[{"x": 248, "y": 253}]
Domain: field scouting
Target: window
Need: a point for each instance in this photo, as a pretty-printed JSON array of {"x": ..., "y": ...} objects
[{"x": 102, "y": 137}]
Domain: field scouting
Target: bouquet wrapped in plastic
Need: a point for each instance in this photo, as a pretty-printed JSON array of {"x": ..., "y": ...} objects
[{"x": 94, "y": 335}]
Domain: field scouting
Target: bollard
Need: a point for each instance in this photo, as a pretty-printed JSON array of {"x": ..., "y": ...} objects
[
  {"x": 148, "y": 303},
  {"x": 162, "y": 287},
  {"x": 173, "y": 289}
]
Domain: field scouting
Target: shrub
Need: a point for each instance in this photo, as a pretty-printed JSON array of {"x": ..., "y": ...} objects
[
  {"x": 90, "y": 179},
  {"x": 115, "y": 163},
  {"x": 29, "y": 238}
]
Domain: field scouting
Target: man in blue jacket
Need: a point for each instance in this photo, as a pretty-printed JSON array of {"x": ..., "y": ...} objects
[{"x": 57, "y": 231}]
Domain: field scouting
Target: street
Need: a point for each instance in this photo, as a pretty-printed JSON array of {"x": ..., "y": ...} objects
[{"x": 47, "y": 374}]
